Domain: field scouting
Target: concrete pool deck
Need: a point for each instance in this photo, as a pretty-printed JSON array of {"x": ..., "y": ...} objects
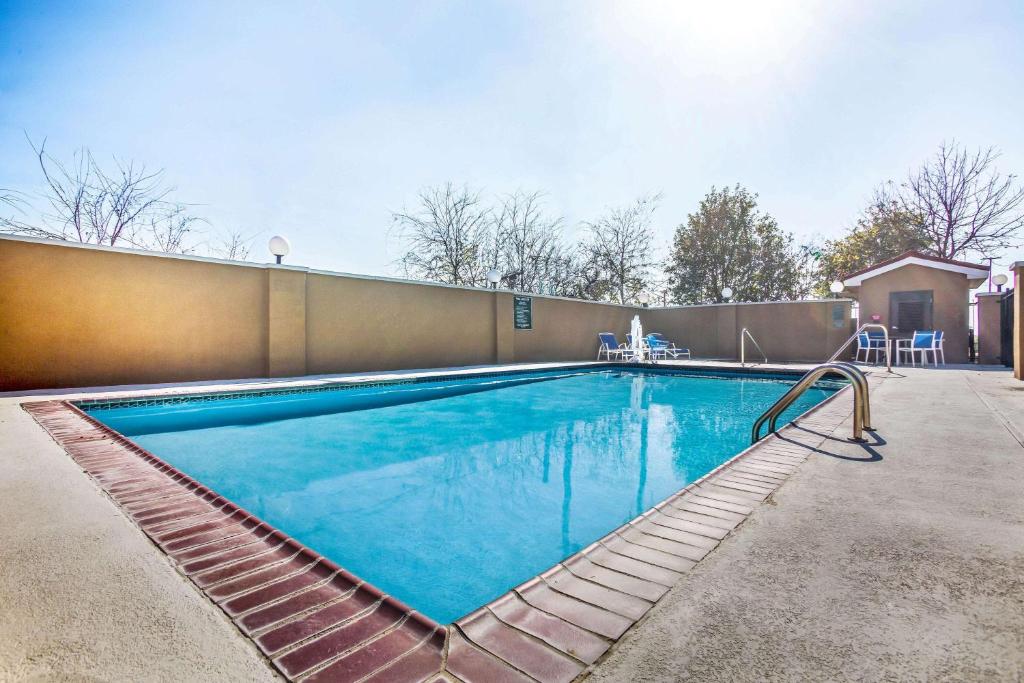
[
  {"x": 902, "y": 559},
  {"x": 950, "y": 562}
]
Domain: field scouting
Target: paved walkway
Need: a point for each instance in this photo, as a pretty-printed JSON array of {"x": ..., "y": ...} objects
[
  {"x": 903, "y": 560},
  {"x": 84, "y": 595}
]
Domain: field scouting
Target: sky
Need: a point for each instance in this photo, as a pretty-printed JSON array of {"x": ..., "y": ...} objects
[{"x": 318, "y": 121}]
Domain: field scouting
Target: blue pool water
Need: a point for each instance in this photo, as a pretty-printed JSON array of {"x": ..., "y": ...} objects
[{"x": 447, "y": 494}]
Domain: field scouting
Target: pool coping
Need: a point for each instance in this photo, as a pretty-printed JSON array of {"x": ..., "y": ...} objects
[
  {"x": 134, "y": 398},
  {"x": 316, "y": 621}
]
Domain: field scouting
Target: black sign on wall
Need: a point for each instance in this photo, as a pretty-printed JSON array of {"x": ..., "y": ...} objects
[
  {"x": 522, "y": 312},
  {"x": 838, "y": 315}
]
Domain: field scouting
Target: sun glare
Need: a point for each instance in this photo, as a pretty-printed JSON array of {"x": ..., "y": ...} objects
[{"x": 727, "y": 32}]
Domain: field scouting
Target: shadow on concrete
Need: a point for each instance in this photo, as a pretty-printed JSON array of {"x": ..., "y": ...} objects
[{"x": 871, "y": 455}]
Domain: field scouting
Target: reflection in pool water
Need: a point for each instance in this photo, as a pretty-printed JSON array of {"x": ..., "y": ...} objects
[{"x": 447, "y": 503}]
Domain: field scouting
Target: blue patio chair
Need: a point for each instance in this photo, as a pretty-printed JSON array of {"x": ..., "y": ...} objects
[
  {"x": 921, "y": 342},
  {"x": 867, "y": 342},
  {"x": 610, "y": 347},
  {"x": 863, "y": 344},
  {"x": 670, "y": 347},
  {"x": 657, "y": 348}
]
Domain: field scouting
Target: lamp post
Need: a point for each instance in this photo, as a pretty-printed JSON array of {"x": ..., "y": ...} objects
[
  {"x": 999, "y": 281},
  {"x": 279, "y": 247},
  {"x": 836, "y": 288},
  {"x": 727, "y": 293},
  {"x": 493, "y": 276}
]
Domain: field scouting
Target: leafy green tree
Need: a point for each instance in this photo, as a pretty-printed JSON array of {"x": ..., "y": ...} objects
[
  {"x": 727, "y": 242},
  {"x": 883, "y": 231}
]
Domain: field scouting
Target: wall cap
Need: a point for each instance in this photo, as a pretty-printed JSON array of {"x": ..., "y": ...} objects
[{"x": 749, "y": 303}]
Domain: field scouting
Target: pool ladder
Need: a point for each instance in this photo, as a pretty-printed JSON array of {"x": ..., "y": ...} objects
[{"x": 861, "y": 404}]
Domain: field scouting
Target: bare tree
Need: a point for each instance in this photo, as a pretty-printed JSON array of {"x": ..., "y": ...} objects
[
  {"x": 453, "y": 237},
  {"x": 233, "y": 246},
  {"x": 528, "y": 243},
  {"x": 580, "y": 276},
  {"x": 619, "y": 246},
  {"x": 164, "y": 228},
  {"x": 586, "y": 278},
  {"x": 963, "y": 203},
  {"x": 13, "y": 201},
  {"x": 91, "y": 206},
  {"x": 446, "y": 236},
  {"x": 128, "y": 207}
]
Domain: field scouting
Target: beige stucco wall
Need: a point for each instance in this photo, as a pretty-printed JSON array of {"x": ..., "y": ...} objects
[
  {"x": 76, "y": 317},
  {"x": 355, "y": 324},
  {"x": 786, "y": 331},
  {"x": 949, "y": 303},
  {"x": 286, "y": 323},
  {"x": 705, "y": 330},
  {"x": 566, "y": 330},
  {"x": 83, "y": 316}
]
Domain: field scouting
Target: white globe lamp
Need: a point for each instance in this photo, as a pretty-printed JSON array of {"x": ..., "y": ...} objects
[{"x": 279, "y": 247}]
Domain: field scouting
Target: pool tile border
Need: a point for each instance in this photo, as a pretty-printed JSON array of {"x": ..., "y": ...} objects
[
  {"x": 312, "y": 619},
  {"x": 580, "y": 607},
  {"x": 134, "y": 400},
  {"x": 317, "y": 622}
]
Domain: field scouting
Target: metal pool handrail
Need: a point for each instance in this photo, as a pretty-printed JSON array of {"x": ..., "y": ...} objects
[
  {"x": 743, "y": 346},
  {"x": 861, "y": 404},
  {"x": 853, "y": 337}
]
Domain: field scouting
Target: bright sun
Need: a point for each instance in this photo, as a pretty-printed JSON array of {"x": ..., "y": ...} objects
[{"x": 726, "y": 31}]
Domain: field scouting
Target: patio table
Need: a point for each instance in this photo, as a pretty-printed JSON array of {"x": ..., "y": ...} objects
[{"x": 895, "y": 346}]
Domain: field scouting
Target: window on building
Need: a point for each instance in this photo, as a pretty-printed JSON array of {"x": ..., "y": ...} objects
[{"x": 909, "y": 311}]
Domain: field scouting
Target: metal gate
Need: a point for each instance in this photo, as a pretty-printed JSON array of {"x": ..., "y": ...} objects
[{"x": 1006, "y": 328}]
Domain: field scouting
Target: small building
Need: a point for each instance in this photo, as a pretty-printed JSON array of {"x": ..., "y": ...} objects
[{"x": 916, "y": 291}]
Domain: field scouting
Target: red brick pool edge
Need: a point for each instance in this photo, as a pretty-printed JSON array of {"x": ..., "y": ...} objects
[
  {"x": 317, "y": 622},
  {"x": 314, "y": 620}
]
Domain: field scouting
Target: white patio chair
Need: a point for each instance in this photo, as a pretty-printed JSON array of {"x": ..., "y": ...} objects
[
  {"x": 670, "y": 347},
  {"x": 938, "y": 350},
  {"x": 921, "y": 342}
]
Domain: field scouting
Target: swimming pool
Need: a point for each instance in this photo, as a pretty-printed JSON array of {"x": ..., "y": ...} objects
[{"x": 447, "y": 493}]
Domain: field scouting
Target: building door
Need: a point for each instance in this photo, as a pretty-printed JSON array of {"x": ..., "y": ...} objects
[
  {"x": 909, "y": 311},
  {"x": 1006, "y": 329}
]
